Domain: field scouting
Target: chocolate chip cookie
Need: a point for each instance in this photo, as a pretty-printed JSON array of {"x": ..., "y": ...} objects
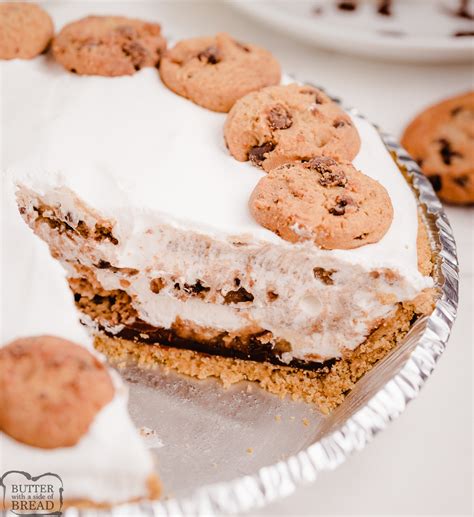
[
  {"x": 108, "y": 45},
  {"x": 282, "y": 124},
  {"x": 216, "y": 71},
  {"x": 25, "y": 30},
  {"x": 441, "y": 140},
  {"x": 50, "y": 391},
  {"x": 324, "y": 201}
]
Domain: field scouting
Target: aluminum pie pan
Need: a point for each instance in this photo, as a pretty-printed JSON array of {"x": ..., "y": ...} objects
[{"x": 377, "y": 399}]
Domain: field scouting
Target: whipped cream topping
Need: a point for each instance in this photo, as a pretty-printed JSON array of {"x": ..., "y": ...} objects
[
  {"x": 110, "y": 463},
  {"x": 128, "y": 147}
]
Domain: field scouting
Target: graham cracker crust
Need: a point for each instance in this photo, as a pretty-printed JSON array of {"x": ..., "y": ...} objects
[{"x": 325, "y": 387}]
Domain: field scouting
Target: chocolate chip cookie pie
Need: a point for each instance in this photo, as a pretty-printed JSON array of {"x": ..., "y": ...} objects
[{"x": 277, "y": 243}]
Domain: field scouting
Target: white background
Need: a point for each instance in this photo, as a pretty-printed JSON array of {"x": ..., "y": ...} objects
[{"x": 422, "y": 464}]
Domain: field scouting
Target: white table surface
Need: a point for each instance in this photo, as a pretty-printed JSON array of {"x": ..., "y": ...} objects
[{"x": 422, "y": 464}]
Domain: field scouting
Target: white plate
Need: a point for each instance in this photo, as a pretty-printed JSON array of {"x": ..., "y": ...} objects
[{"x": 416, "y": 30}]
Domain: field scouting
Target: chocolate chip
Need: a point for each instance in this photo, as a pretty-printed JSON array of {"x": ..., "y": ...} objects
[
  {"x": 136, "y": 52},
  {"x": 339, "y": 123},
  {"x": 347, "y": 6},
  {"x": 239, "y": 296},
  {"x": 463, "y": 34},
  {"x": 462, "y": 181},
  {"x": 436, "y": 182},
  {"x": 272, "y": 296},
  {"x": 446, "y": 151},
  {"x": 318, "y": 99},
  {"x": 82, "y": 229},
  {"x": 331, "y": 175},
  {"x": 340, "y": 207},
  {"x": 210, "y": 55},
  {"x": 279, "y": 117},
  {"x": 457, "y": 110},
  {"x": 103, "y": 264},
  {"x": 324, "y": 275},
  {"x": 103, "y": 232},
  {"x": 257, "y": 153},
  {"x": 197, "y": 289},
  {"x": 463, "y": 10},
  {"x": 385, "y": 8}
]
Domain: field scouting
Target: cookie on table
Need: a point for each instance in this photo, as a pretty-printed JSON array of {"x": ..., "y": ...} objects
[
  {"x": 441, "y": 140},
  {"x": 25, "y": 30},
  {"x": 50, "y": 391},
  {"x": 108, "y": 45},
  {"x": 215, "y": 71},
  {"x": 287, "y": 123},
  {"x": 324, "y": 201}
]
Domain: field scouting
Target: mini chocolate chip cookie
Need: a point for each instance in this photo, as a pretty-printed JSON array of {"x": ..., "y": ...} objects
[
  {"x": 25, "y": 30},
  {"x": 441, "y": 140},
  {"x": 108, "y": 45},
  {"x": 282, "y": 124},
  {"x": 215, "y": 71},
  {"x": 324, "y": 201},
  {"x": 50, "y": 391}
]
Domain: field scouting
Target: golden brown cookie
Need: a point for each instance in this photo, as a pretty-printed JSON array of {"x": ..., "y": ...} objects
[
  {"x": 215, "y": 71},
  {"x": 109, "y": 45},
  {"x": 282, "y": 124},
  {"x": 441, "y": 140},
  {"x": 50, "y": 391},
  {"x": 328, "y": 202},
  {"x": 25, "y": 30}
]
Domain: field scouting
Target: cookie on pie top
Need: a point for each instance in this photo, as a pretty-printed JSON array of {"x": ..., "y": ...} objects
[
  {"x": 25, "y": 30},
  {"x": 327, "y": 202},
  {"x": 215, "y": 71},
  {"x": 287, "y": 123},
  {"x": 441, "y": 140},
  {"x": 50, "y": 391},
  {"x": 108, "y": 45}
]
